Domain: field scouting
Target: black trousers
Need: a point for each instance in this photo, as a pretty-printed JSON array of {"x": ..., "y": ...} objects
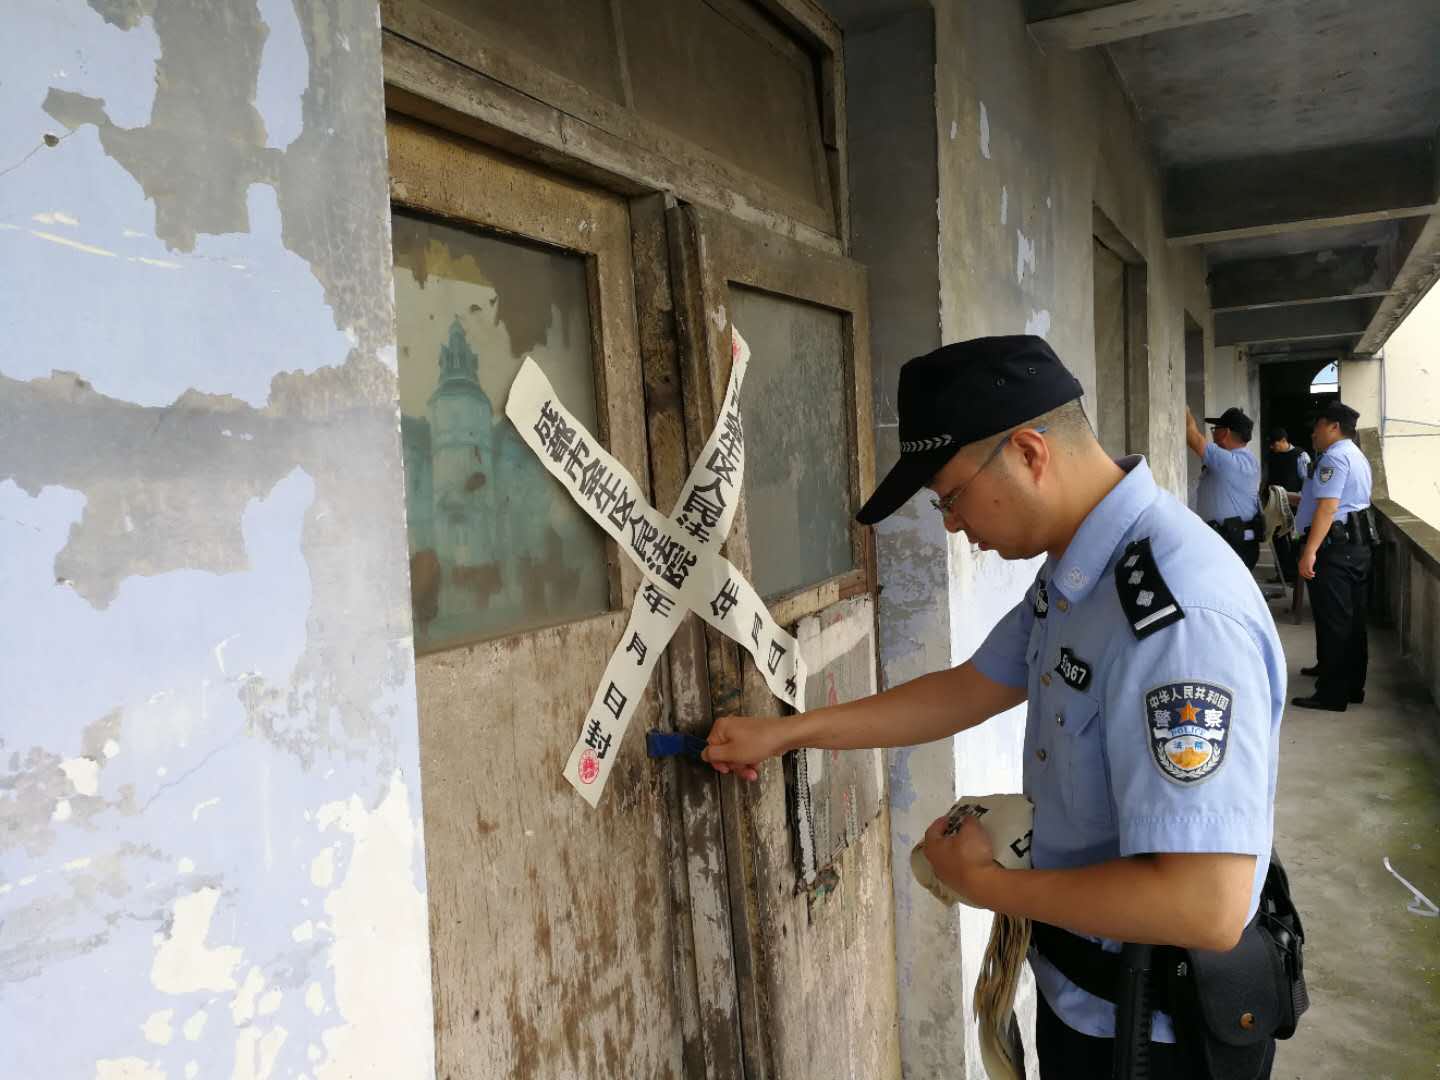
[
  {"x": 1066, "y": 1054},
  {"x": 1248, "y": 550},
  {"x": 1338, "y": 598}
]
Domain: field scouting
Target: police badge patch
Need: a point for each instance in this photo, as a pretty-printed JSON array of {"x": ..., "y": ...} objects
[
  {"x": 1187, "y": 727},
  {"x": 1325, "y": 474}
]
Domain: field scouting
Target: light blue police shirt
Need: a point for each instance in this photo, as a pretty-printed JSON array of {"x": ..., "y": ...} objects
[
  {"x": 1229, "y": 486},
  {"x": 1341, "y": 472},
  {"x": 1161, "y": 739}
]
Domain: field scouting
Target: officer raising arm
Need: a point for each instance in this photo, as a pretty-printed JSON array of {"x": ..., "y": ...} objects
[
  {"x": 1152, "y": 673},
  {"x": 1229, "y": 496}
]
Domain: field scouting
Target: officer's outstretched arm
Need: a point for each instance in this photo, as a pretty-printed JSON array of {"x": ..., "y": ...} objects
[{"x": 931, "y": 707}]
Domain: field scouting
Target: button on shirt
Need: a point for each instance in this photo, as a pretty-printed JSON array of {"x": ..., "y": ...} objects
[
  {"x": 1105, "y": 775},
  {"x": 1229, "y": 486},
  {"x": 1341, "y": 472}
]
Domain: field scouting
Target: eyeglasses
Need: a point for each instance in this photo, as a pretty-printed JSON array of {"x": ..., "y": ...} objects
[{"x": 947, "y": 504}]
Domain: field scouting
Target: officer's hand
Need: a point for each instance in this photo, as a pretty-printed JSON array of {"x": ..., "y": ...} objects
[
  {"x": 739, "y": 743},
  {"x": 1307, "y": 565},
  {"x": 961, "y": 860}
]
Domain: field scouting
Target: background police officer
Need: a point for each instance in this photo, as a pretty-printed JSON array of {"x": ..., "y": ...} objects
[
  {"x": 1335, "y": 559},
  {"x": 1154, "y": 680},
  {"x": 1229, "y": 495}
]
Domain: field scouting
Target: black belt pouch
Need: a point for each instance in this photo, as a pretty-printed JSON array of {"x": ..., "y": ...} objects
[{"x": 1229, "y": 1005}]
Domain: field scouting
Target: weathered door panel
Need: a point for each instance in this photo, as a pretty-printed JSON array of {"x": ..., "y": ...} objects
[
  {"x": 705, "y": 958},
  {"x": 814, "y": 960},
  {"x": 551, "y": 923}
]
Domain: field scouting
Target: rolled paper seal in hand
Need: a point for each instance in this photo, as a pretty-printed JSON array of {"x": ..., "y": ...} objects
[{"x": 1007, "y": 820}]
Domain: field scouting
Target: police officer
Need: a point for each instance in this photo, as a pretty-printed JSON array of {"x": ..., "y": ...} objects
[
  {"x": 1229, "y": 495},
  {"x": 1152, "y": 673},
  {"x": 1335, "y": 555}
]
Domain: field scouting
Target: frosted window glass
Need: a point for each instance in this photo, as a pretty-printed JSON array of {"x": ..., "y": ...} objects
[
  {"x": 797, "y": 456},
  {"x": 496, "y": 544}
]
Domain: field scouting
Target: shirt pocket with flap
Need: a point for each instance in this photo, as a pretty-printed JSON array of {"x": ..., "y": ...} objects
[{"x": 1080, "y": 751}]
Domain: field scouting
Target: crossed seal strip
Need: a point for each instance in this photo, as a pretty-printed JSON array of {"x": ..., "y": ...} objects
[{"x": 679, "y": 556}]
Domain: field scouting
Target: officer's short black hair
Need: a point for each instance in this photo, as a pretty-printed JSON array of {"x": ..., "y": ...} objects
[
  {"x": 1279, "y": 434},
  {"x": 1337, "y": 412}
]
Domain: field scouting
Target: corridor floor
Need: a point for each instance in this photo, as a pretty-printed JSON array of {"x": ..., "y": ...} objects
[{"x": 1356, "y": 787}]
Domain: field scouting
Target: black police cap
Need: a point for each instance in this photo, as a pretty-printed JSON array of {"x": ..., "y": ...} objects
[
  {"x": 1234, "y": 419},
  {"x": 960, "y": 394}
]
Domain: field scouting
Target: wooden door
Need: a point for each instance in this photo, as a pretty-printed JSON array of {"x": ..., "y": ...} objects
[{"x": 552, "y": 938}]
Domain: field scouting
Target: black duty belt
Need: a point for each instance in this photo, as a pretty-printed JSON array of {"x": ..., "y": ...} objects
[
  {"x": 1240, "y": 529},
  {"x": 1349, "y": 531},
  {"x": 1098, "y": 972}
]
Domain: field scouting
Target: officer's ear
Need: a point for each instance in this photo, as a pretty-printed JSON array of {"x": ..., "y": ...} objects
[{"x": 1035, "y": 450}]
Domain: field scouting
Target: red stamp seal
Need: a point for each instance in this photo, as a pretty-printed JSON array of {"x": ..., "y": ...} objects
[{"x": 589, "y": 767}]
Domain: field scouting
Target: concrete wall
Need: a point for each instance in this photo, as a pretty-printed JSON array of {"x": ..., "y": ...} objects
[
  {"x": 210, "y": 859},
  {"x": 1231, "y": 379},
  {"x": 1031, "y": 142},
  {"x": 890, "y": 80},
  {"x": 1409, "y": 402}
]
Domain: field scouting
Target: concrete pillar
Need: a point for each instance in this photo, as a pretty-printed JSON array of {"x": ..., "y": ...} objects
[{"x": 891, "y": 93}]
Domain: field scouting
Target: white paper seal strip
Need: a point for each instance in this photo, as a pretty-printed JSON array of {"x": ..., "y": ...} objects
[{"x": 679, "y": 556}]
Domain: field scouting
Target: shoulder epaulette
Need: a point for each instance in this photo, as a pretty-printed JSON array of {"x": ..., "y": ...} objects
[{"x": 1147, "y": 600}]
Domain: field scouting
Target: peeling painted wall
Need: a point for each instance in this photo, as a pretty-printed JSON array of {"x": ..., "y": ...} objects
[{"x": 209, "y": 785}]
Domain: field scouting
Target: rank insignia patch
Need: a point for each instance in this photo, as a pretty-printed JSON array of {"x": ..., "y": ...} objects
[
  {"x": 1187, "y": 725},
  {"x": 1041, "y": 606},
  {"x": 1325, "y": 474}
]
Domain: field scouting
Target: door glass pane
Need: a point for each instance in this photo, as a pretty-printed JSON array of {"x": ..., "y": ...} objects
[
  {"x": 797, "y": 456},
  {"x": 496, "y": 544}
]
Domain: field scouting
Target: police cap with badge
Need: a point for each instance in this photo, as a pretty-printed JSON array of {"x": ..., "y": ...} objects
[{"x": 960, "y": 394}]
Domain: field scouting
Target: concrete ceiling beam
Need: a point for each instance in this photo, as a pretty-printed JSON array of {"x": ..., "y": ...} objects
[
  {"x": 1418, "y": 272},
  {"x": 1298, "y": 322},
  {"x": 1310, "y": 189},
  {"x": 1081, "y": 24},
  {"x": 1308, "y": 278}
]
